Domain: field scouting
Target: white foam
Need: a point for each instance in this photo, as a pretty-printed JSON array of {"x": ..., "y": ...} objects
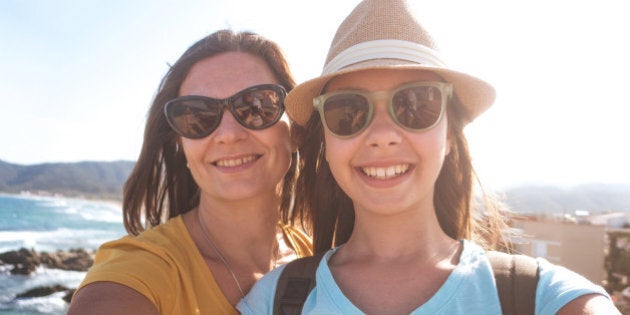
[
  {"x": 11, "y": 285},
  {"x": 51, "y": 241},
  {"x": 51, "y": 304},
  {"x": 52, "y": 224}
]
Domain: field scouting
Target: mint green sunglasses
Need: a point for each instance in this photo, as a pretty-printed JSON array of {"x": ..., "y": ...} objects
[{"x": 416, "y": 107}]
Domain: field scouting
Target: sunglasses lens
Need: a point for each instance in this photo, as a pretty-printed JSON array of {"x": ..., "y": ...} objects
[
  {"x": 346, "y": 114},
  {"x": 193, "y": 118},
  {"x": 259, "y": 109},
  {"x": 417, "y": 107}
]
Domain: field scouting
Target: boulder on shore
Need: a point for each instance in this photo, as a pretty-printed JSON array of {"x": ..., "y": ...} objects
[
  {"x": 25, "y": 261},
  {"x": 41, "y": 291},
  {"x": 46, "y": 291}
]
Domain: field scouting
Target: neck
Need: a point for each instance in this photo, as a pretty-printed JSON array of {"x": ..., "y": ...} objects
[
  {"x": 246, "y": 228},
  {"x": 396, "y": 235},
  {"x": 245, "y": 240},
  {"x": 247, "y": 211}
]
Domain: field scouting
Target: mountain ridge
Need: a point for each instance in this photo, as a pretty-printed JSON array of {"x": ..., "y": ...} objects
[
  {"x": 104, "y": 180},
  {"x": 592, "y": 197},
  {"x": 87, "y": 179}
]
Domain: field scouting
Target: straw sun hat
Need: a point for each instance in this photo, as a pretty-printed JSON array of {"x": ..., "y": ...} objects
[{"x": 383, "y": 34}]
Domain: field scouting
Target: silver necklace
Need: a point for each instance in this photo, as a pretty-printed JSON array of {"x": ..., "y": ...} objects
[{"x": 223, "y": 260}]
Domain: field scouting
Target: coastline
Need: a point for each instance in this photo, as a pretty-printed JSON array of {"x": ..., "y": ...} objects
[
  {"x": 45, "y": 194},
  {"x": 47, "y": 244}
]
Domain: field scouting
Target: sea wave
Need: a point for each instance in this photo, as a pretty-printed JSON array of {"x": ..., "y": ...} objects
[
  {"x": 90, "y": 210},
  {"x": 59, "y": 239},
  {"x": 50, "y": 224},
  {"x": 12, "y": 285},
  {"x": 50, "y": 305}
]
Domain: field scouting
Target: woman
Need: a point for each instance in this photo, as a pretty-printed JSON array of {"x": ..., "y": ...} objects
[
  {"x": 387, "y": 180},
  {"x": 213, "y": 184}
]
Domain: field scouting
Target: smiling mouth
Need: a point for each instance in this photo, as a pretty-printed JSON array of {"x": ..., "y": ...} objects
[
  {"x": 385, "y": 172},
  {"x": 236, "y": 162}
]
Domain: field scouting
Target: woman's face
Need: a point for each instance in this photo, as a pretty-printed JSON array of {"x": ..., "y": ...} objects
[
  {"x": 233, "y": 162},
  {"x": 385, "y": 168}
]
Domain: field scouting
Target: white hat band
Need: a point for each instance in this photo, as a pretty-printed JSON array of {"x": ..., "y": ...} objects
[{"x": 384, "y": 49}]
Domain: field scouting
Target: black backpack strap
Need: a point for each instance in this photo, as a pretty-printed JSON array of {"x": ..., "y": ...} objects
[
  {"x": 516, "y": 277},
  {"x": 295, "y": 283}
]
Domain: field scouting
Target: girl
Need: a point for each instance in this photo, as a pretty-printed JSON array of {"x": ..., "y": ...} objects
[{"x": 387, "y": 182}]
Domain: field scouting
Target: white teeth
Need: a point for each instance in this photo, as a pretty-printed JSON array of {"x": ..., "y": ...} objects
[
  {"x": 385, "y": 172},
  {"x": 235, "y": 162}
]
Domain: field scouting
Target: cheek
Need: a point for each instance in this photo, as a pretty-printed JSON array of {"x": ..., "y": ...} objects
[
  {"x": 331, "y": 144},
  {"x": 339, "y": 154},
  {"x": 441, "y": 138},
  {"x": 433, "y": 144},
  {"x": 442, "y": 141},
  {"x": 278, "y": 140},
  {"x": 190, "y": 148},
  {"x": 193, "y": 151}
]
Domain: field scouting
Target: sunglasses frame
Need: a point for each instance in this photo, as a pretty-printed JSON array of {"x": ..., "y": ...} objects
[
  {"x": 225, "y": 103},
  {"x": 446, "y": 90}
]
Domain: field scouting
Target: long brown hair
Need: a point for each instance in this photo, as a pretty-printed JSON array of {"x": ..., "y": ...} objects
[
  {"x": 160, "y": 185},
  {"x": 330, "y": 211}
]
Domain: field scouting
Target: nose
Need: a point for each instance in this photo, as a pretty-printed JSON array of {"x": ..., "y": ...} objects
[
  {"x": 383, "y": 131},
  {"x": 229, "y": 130}
]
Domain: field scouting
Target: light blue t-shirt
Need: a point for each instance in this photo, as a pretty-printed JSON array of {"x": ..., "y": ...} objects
[{"x": 469, "y": 289}]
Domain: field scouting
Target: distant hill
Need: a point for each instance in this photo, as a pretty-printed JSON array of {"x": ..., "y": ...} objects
[
  {"x": 104, "y": 180},
  {"x": 92, "y": 180},
  {"x": 549, "y": 199}
]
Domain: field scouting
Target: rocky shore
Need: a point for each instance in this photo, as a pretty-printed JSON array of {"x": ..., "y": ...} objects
[{"x": 25, "y": 262}]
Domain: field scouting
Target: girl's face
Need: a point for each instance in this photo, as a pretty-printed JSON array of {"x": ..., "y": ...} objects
[
  {"x": 233, "y": 162},
  {"x": 386, "y": 169}
]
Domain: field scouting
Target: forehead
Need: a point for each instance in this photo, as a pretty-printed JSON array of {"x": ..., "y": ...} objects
[
  {"x": 379, "y": 79},
  {"x": 225, "y": 74}
]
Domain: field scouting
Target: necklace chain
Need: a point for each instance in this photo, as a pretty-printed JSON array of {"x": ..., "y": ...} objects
[{"x": 223, "y": 260}]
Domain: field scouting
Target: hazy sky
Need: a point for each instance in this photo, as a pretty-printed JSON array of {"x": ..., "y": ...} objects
[{"x": 77, "y": 77}]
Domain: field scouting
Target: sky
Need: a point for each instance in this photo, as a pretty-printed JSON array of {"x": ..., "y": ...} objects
[{"x": 77, "y": 77}]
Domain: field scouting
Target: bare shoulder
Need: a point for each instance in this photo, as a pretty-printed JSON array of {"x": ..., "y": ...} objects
[
  {"x": 110, "y": 298},
  {"x": 590, "y": 304}
]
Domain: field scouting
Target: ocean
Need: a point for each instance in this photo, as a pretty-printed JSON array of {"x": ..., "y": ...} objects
[{"x": 50, "y": 224}]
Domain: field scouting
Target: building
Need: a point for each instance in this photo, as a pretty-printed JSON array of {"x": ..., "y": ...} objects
[{"x": 579, "y": 247}]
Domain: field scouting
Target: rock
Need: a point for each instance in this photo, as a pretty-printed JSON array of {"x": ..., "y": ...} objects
[
  {"x": 25, "y": 261},
  {"x": 77, "y": 259},
  {"x": 19, "y": 256},
  {"x": 68, "y": 296},
  {"x": 23, "y": 269},
  {"x": 41, "y": 291},
  {"x": 74, "y": 259},
  {"x": 51, "y": 260},
  {"x": 47, "y": 290}
]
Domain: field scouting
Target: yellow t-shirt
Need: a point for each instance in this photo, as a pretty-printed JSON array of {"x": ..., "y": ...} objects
[{"x": 164, "y": 265}]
